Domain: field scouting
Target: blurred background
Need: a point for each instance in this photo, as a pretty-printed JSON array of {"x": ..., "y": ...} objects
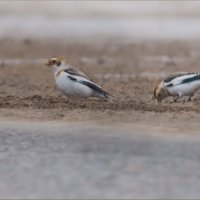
[{"x": 75, "y": 19}]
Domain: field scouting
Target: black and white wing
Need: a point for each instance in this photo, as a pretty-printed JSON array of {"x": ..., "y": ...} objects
[
  {"x": 181, "y": 78},
  {"x": 75, "y": 72},
  {"x": 176, "y": 75},
  {"x": 76, "y": 77}
]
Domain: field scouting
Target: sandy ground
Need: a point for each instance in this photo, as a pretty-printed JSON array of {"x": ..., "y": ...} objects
[{"x": 129, "y": 71}]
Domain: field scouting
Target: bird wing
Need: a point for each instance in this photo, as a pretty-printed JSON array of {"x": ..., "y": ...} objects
[
  {"x": 93, "y": 86},
  {"x": 176, "y": 75},
  {"x": 181, "y": 78},
  {"x": 75, "y": 72},
  {"x": 82, "y": 80}
]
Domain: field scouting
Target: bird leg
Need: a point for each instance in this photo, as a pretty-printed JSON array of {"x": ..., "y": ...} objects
[
  {"x": 176, "y": 98},
  {"x": 190, "y": 97}
]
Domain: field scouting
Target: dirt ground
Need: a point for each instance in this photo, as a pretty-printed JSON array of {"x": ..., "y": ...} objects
[{"x": 129, "y": 71}]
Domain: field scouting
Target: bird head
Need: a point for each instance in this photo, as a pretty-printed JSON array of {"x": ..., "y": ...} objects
[
  {"x": 160, "y": 92},
  {"x": 55, "y": 63}
]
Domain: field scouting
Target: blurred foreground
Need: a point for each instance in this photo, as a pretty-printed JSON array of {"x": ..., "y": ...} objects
[{"x": 81, "y": 160}]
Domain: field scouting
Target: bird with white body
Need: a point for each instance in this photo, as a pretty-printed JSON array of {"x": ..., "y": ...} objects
[
  {"x": 178, "y": 85},
  {"x": 72, "y": 82}
]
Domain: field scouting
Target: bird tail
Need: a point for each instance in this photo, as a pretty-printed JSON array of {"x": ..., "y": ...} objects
[{"x": 109, "y": 97}]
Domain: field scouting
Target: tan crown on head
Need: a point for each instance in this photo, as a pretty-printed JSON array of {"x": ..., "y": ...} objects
[
  {"x": 59, "y": 58},
  {"x": 55, "y": 60},
  {"x": 160, "y": 92}
]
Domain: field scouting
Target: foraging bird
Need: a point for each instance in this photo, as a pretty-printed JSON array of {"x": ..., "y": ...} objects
[
  {"x": 73, "y": 82},
  {"x": 178, "y": 85}
]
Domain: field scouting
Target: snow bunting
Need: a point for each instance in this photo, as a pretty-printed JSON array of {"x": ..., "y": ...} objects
[
  {"x": 178, "y": 85},
  {"x": 73, "y": 82}
]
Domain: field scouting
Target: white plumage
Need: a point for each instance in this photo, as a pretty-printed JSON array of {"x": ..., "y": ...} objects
[
  {"x": 178, "y": 85},
  {"x": 73, "y": 82}
]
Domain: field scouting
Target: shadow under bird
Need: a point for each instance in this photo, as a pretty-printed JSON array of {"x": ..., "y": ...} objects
[
  {"x": 178, "y": 85},
  {"x": 72, "y": 82}
]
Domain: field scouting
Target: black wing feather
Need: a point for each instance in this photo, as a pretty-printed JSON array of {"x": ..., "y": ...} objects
[
  {"x": 94, "y": 87},
  {"x": 175, "y": 75},
  {"x": 72, "y": 78},
  {"x": 194, "y": 78},
  {"x": 71, "y": 72},
  {"x": 75, "y": 72}
]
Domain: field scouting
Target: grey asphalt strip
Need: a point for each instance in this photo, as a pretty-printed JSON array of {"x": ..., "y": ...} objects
[{"x": 87, "y": 161}]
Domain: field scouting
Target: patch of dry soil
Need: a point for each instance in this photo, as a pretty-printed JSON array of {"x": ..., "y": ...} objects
[{"x": 28, "y": 91}]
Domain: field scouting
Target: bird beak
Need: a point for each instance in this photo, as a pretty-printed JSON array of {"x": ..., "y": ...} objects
[{"x": 48, "y": 64}]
